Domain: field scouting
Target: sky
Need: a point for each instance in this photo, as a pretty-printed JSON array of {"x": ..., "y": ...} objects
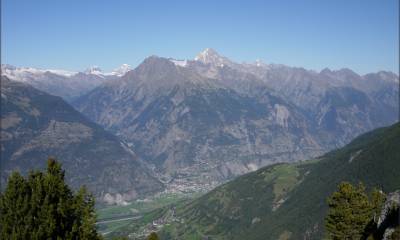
[{"x": 362, "y": 35}]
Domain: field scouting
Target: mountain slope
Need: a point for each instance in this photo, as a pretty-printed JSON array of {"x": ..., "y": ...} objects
[
  {"x": 36, "y": 125},
  {"x": 288, "y": 201}
]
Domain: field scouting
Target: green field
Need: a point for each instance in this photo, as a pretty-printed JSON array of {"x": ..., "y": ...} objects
[{"x": 117, "y": 213}]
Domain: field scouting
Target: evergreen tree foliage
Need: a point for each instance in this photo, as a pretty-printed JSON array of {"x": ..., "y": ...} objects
[
  {"x": 378, "y": 198},
  {"x": 42, "y": 206},
  {"x": 352, "y": 215},
  {"x": 371, "y": 231},
  {"x": 350, "y": 212},
  {"x": 153, "y": 236}
]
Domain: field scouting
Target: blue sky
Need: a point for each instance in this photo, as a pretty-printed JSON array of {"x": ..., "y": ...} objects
[{"x": 74, "y": 34}]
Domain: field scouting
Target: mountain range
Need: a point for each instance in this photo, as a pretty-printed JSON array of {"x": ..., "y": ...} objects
[
  {"x": 191, "y": 124},
  {"x": 66, "y": 84},
  {"x": 210, "y": 119}
]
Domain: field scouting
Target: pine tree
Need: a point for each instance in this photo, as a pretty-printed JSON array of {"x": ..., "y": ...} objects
[
  {"x": 44, "y": 207},
  {"x": 350, "y": 211},
  {"x": 14, "y": 204},
  {"x": 84, "y": 203}
]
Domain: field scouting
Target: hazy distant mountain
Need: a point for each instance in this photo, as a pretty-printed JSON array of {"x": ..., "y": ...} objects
[
  {"x": 36, "y": 125},
  {"x": 65, "y": 84},
  {"x": 209, "y": 119}
]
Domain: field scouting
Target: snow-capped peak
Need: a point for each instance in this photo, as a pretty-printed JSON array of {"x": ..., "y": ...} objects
[
  {"x": 210, "y": 56},
  {"x": 121, "y": 70},
  {"x": 93, "y": 70}
]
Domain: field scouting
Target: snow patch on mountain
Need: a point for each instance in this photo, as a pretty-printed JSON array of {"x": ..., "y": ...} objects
[
  {"x": 94, "y": 70},
  {"x": 24, "y": 74},
  {"x": 27, "y": 74},
  {"x": 65, "y": 73},
  {"x": 180, "y": 63},
  {"x": 210, "y": 56},
  {"x": 120, "y": 71}
]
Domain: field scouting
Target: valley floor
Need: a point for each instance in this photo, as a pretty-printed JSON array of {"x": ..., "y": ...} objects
[{"x": 111, "y": 218}]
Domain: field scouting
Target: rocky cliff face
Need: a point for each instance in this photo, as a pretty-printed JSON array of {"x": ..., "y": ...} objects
[
  {"x": 389, "y": 218},
  {"x": 36, "y": 125},
  {"x": 211, "y": 119}
]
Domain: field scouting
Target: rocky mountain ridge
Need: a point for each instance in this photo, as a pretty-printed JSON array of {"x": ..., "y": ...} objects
[{"x": 210, "y": 119}]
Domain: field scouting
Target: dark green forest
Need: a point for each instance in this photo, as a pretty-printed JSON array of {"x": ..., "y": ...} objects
[{"x": 42, "y": 206}]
